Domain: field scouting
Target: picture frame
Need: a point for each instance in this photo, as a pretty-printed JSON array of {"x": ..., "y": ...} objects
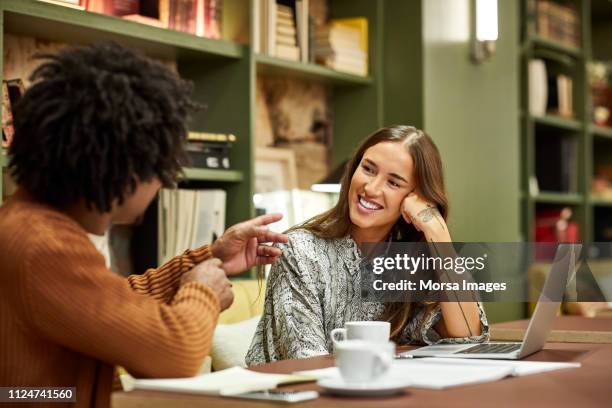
[
  {"x": 275, "y": 181},
  {"x": 275, "y": 170}
]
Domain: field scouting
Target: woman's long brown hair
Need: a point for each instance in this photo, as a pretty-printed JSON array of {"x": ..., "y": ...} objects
[{"x": 429, "y": 178}]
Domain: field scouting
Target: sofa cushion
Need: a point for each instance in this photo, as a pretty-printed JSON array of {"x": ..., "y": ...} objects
[{"x": 231, "y": 343}]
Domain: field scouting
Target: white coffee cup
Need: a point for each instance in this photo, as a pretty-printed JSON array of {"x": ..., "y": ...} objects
[
  {"x": 361, "y": 361},
  {"x": 373, "y": 331}
]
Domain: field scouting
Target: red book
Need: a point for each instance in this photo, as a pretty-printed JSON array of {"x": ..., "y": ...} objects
[
  {"x": 114, "y": 7},
  {"x": 182, "y": 15},
  {"x": 212, "y": 19},
  {"x": 125, "y": 7}
]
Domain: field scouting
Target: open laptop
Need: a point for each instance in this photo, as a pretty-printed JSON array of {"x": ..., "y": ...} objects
[{"x": 539, "y": 325}]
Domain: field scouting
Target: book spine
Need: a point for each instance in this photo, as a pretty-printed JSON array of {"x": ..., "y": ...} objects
[
  {"x": 124, "y": 7},
  {"x": 7, "y": 117},
  {"x": 271, "y": 27},
  {"x": 201, "y": 18},
  {"x": 216, "y": 19},
  {"x": 211, "y": 137}
]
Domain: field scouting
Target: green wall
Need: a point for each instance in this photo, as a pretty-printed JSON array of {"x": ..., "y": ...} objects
[
  {"x": 403, "y": 63},
  {"x": 472, "y": 113}
]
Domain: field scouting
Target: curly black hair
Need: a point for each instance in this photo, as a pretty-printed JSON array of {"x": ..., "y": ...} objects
[{"x": 96, "y": 121}]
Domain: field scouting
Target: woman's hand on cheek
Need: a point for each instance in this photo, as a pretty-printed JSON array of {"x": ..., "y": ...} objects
[
  {"x": 410, "y": 208},
  {"x": 422, "y": 214}
]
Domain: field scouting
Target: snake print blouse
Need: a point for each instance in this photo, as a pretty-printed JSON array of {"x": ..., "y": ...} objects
[{"x": 314, "y": 287}]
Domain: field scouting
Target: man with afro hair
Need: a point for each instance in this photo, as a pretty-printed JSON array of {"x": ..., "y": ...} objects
[{"x": 100, "y": 130}]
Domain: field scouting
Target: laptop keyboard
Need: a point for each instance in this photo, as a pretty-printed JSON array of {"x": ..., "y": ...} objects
[{"x": 491, "y": 348}]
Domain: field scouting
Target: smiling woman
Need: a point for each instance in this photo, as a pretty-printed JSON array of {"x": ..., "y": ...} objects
[
  {"x": 392, "y": 190},
  {"x": 378, "y": 187}
]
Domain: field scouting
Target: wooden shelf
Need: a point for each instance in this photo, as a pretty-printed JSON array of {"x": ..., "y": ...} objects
[
  {"x": 541, "y": 43},
  {"x": 557, "y": 122},
  {"x": 196, "y": 174},
  {"x": 64, "y": 24},
  {"x": 278, "y": 66},
  {"x": 558, "y": 198},
  {"x": 601, "y": 131},
  {"x": 600, "y": 202},
  {"x": 191, "y": 173}
]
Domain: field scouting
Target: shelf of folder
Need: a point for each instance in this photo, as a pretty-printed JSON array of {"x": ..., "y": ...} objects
[
  {"x": 228, "y": 176},
  {"x": 57, "y": 23},
  {"x": 281, "y": 67},
  {"x": 558, "y": 198},
  {"x": 541, "y": 43},
  {"x": 601, "y": 131},
  {"x": 557, "y": 122}
]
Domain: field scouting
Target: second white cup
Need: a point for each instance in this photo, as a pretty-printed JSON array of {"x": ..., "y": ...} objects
[{"x": 361, "y": 361}]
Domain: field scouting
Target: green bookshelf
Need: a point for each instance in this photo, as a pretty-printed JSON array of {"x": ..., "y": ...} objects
[
  {"x": 600, "y": 202},
  {"x": 64, "y": 24},
  {"x": 558, "y": 198},
  {"x": 600, "y": 131},
  {"x": 219, "y": 70},
  {"x": 558, "y": 122},
  {"x": 539, "y": 43},
  {"x": 307, "y": 71},
  {"x": 590, "y": 140},
  {"x": 542, "y": 136}
]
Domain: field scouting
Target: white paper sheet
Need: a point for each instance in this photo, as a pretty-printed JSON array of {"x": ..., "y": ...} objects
[
  {"x": 441, "y": 373},
  {"x": 520, "y": 367},
  {"x": 234, "y": 380}
]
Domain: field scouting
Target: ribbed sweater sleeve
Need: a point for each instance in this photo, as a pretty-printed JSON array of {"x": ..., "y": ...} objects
[
  {"x": 163, "y": 282},
  {"x": 69, "y": 297}
]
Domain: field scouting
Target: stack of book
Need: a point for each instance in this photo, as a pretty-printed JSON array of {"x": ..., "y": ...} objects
[
  {"x": 189, "y": 219},
  {"x": 286, "y": 36},
  {"x": 12, "y": 90},
  {"x": 281, "y": 29},
  {"x": 199, "y": 17},
  {"x": 343, "y": 45},
  {"x": 554, "y": 21},
  {"x": 210, "y": 150}
]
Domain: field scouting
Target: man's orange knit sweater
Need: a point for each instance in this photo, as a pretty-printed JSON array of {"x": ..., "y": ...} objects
[{"x": 66, "y": 320}]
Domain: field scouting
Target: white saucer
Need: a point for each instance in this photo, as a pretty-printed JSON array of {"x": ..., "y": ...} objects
[{"x": 373, "y": 389}]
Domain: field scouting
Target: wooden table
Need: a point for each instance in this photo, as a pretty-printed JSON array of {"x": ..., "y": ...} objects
[
  {"x": 587, "y": 386},
  {"x": 565, "y": 329}
]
